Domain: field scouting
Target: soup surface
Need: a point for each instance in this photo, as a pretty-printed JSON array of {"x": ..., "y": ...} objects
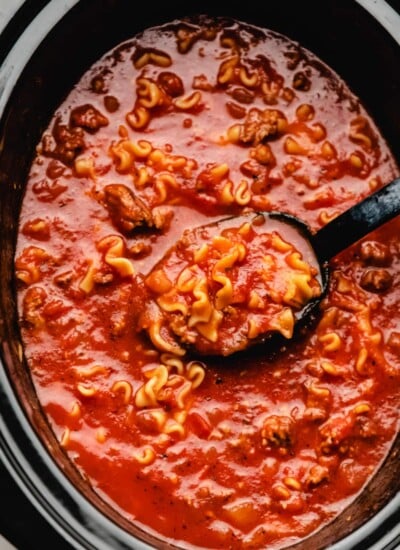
[{"x": 183, "y": 125}]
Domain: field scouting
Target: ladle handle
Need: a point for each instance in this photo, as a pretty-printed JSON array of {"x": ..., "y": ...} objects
[{"x": 358, "y": 221}]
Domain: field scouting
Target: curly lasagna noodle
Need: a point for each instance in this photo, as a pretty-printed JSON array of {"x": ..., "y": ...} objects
[
  {"x": 182, "y": 126},
  {"x": 228, "y": 285}
]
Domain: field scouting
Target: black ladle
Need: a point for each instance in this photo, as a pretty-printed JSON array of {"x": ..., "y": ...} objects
[
  {"x": 357, "y": 222},
  {"x": 337, "y": 235}
]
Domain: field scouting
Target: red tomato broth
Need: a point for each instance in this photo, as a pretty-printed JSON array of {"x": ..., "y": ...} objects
[{"x": 264, "y": 450}]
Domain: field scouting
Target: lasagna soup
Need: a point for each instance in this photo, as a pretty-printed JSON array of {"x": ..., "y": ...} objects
[{"x": 184, "y": 125}]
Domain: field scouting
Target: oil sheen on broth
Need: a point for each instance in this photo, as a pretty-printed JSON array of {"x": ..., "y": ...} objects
[{"x": 182, "y": 125}]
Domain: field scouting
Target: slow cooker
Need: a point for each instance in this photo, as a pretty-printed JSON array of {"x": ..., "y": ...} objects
[{"x": 46, "y": 46}]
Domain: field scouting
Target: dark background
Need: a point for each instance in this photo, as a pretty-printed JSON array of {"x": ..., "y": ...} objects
[{"x": 20, "y": 523}]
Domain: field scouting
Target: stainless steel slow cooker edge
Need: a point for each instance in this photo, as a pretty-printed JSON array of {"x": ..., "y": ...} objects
[{"x": 29, "y": 93}]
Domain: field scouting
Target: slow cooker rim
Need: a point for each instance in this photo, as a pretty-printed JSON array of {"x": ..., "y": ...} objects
[
  {"x": 86, "y": 526},
  {"x": 11, "y": 441}
]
